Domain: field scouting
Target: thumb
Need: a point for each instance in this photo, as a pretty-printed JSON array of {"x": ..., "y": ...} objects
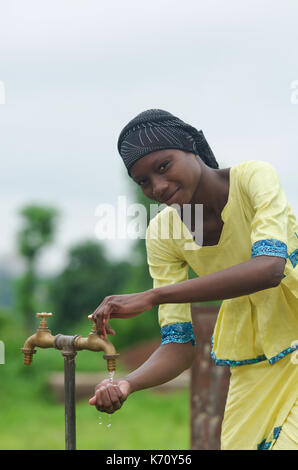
[
  {"x": 125, "y": 388},
  {"x": 92, "y": 400}
]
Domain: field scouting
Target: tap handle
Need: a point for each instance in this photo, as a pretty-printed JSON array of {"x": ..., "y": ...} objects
[{"x": 43, "y": 315}]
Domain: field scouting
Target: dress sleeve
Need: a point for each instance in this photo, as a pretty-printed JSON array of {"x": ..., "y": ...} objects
[
  {"x": 269, "y": 225},
  {"x": 166, "y": 268}
]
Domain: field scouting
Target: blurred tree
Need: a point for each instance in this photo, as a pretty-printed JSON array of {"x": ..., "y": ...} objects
[
  {"x": 85, "y": 281},
  {"x": 37, "y": 232}
]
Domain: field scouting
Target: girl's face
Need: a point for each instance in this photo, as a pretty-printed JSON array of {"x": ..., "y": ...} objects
[{"x": 168, "y": 176}]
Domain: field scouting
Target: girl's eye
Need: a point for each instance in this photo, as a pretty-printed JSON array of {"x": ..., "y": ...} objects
[
  {"x": 163, "y": 165},
  {"x": 162, "y": 168}
]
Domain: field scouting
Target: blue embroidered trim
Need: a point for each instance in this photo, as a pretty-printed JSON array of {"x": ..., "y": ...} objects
[
  {"x": 272, "y": 360},
  {"x": 293, "y": 257},
  {"x": 177, "y": 333},
  {"x": 282, "y": 354},
  {"x": 228, "y": 362},
  {"x": 276, "y": 432},
  {"x": 265, "y": 445},
  {"x": 270, "y": 247}
]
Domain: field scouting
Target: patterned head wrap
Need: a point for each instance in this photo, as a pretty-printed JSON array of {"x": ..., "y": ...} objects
[{"x": 156, "y": 129}]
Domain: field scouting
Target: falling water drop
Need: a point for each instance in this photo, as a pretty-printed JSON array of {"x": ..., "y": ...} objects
[{"x": 111, "y": 375}]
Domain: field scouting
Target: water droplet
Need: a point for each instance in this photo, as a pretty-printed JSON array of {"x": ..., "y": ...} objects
[
  {"x": 99, "y": 420},
  {"x": 111, "y": 376}
]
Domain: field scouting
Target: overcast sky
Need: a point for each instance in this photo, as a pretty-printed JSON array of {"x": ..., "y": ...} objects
[{"x": 75, "y": 72}]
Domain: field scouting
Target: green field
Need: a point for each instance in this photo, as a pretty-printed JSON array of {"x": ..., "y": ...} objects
[{"x": 147, "y": 421}]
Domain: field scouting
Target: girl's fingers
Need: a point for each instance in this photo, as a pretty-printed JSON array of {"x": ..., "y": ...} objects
[
  {"x": 102, "y": 383},
  {"x": 110, "y": 331},
  {"x": 124, "y": 315},
  {"x": 105, "y": 316},
  {"x": 114, "y": 398},
  {"x": 98, "y": 401},
  {"x": 108, "y": 398}
]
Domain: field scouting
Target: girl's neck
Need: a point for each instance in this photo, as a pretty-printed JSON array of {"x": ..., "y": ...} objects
[{"x": 212, "y": 191}]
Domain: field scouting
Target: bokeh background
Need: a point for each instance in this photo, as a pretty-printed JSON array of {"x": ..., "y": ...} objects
[{"x": 74, "y": 72}]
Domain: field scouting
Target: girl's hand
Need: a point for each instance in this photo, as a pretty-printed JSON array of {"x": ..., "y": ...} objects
[
  {"x": 110, "y": 396},
  {"x": 120, "y": 306}
]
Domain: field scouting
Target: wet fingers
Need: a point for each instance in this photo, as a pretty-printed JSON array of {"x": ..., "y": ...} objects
[{"x": 108, "y": 398}]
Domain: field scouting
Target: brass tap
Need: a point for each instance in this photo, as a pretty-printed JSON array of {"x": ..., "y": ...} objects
[
  {"x": 42, "y": 339},
  {"x": 95, "y": 343}
]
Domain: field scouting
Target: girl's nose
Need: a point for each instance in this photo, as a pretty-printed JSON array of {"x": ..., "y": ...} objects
[{"x": 160, "y": 188}]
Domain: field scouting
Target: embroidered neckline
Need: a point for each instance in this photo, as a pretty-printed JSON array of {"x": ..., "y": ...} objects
[{"x": 205, "y": 249}]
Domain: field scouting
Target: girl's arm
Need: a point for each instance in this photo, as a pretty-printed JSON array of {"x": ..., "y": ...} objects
[
  {"x": 166, "y": 363},
  {"x": 259, "y": 273}
]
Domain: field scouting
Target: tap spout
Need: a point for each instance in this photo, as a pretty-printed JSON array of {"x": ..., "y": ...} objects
[
  {"x": 41, "y": 339},
  {"x": 94, "y": 342}
]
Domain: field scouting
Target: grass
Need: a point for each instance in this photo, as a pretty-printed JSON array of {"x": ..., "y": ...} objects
[{"x": 147, "y": 421}]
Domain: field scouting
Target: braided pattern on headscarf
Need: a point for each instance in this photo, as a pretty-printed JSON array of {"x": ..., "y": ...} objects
[{"x": 156, "y": 129}]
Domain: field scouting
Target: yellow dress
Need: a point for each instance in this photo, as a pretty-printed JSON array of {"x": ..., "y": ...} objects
[{"x": 255, "y": 335}]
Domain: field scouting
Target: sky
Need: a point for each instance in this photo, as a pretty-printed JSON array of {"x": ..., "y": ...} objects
[{"x": 75, "y": 72}]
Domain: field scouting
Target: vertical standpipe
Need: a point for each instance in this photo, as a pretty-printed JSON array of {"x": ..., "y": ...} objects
[
  {"x": 70, "y": 399},
  {"x": 67, "y": 346}
]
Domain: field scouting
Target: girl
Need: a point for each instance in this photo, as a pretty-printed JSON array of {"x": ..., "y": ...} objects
[{"x": 247, "y": 258}]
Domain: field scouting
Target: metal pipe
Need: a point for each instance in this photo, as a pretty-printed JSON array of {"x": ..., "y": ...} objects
[
  {"x": 70, "y": 399},
  {"x": 67, "y": 346}
]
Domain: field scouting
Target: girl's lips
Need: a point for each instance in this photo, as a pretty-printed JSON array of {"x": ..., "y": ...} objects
[{"x": 171, "y": 199}]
